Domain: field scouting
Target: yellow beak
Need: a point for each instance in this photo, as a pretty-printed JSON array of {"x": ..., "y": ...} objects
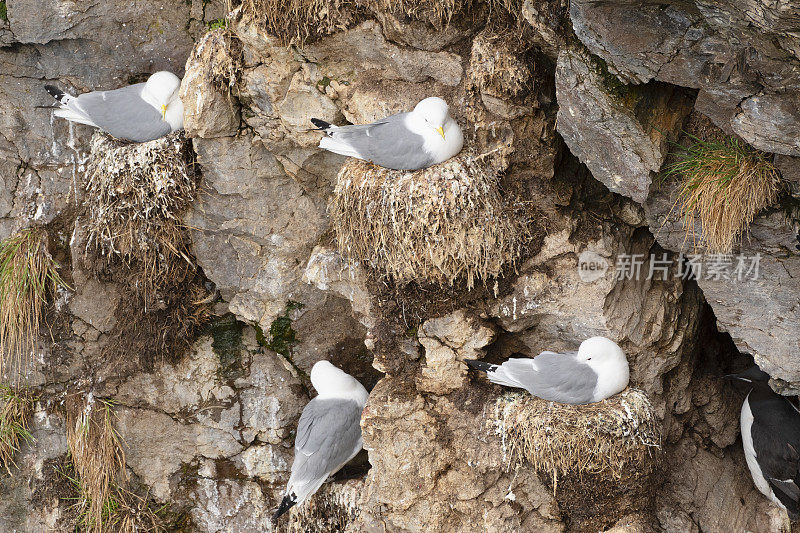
[
  {"x": 164, "y": 112},
  {"x": 440, "y": 131}
]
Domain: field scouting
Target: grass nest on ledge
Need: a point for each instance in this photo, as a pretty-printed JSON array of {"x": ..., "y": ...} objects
[
  {"x": 333, "y": 507},
  {"x": 136, "y": 195},
  {"x": 438, "y": 225},
  {"x": 611, "y": 439}
]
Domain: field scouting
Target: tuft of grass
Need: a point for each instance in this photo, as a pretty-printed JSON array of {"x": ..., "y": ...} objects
[
  {"x": 122, "y": 512},
  {"x": 98, "y": 459},
  {"x": 14, "y": 413},
  {"x": 3, "y": 10},
  {"x": 613, "y": 437},
  {"x": 28, "y": 276},
  {"x": 135, "y": 195},
  {"x": 725, "y": 184},
  {"x": 437, "y": 225}
]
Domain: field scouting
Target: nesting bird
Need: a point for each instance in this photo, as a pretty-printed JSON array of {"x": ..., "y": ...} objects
[
  {"x": 406, "y": 141},
  {"x": 328, "y": 434},
  {"x": 770, "y": 427},
  {"x": 140, "y": 112},
  {"x": 598, "y": 370}
]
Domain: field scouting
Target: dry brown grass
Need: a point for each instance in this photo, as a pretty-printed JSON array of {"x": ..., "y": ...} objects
[
  {"x": 448, "y": 222},
  {"x": 297, "y": 21},
  {"x": 14, "y": 413},
  {"x": 725, "y": 184},
  {"x": 28, "y": 276},
  {"x": 135, "y": 194},
  {"x": 98, "y": 459},
  {"x": 331, "y": 509},
  {"x": 615, "y": 437}
]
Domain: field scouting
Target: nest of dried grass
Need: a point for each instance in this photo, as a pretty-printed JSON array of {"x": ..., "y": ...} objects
[
  {"x": 28, "y": 277},
  {"x": 297, "y": 21},
  {"x": 725, "y": 184},
  {"x": 332, "y": 508},
  {"x": 447, "y": 222},
  {"x": 615, "y": 438},
  {"x": 15, "y": 409},
  {"x": 135, "y": 194}
]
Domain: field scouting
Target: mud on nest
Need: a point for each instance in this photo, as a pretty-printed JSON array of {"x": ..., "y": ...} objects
[
  {"x": 610, "y": 439},
  {"x": 441, "y": 224}
]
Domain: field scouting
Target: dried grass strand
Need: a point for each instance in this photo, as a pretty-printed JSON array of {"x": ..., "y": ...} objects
[
  {"x": 98, "y": 458},
  {"x": 15, "y": 411}
]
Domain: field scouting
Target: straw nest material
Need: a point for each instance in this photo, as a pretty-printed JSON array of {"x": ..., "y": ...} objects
[
  {"x": 440, "y": 224},
  {"x": 333, "y": 508},
  {"x": 614, "y": 438},
  {"x": 134, "y": 196}
]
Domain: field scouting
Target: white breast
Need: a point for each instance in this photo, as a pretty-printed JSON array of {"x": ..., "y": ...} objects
[{"x": 746, "y": 425}]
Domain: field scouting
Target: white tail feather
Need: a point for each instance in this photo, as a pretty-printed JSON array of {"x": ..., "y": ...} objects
[
  {"x": 74, "y": 116},
  {"x": 501, "y": 377},
  {"x": 338, "y": 147}
]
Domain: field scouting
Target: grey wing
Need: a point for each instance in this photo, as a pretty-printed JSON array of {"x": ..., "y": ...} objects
[
  {"x": 387, "y": 143},
  {"x": 328, "y": 435},
  {"x": 555, "y": 377},
  {"x": 123, "y": 113}
]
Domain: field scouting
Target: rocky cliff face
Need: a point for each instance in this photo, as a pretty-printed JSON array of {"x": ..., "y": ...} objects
[{"x": 574, "y": 106}]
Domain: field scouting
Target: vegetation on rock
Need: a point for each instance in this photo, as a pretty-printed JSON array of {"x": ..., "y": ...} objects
[
  {"x": 14, "y": 412},
  {"x": 28, "y": 276},
  {"x": 725, "y": 184}
]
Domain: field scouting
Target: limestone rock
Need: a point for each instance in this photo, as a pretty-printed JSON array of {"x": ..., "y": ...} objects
[
  {"x": 602, "y": 122},
  {"x": 231, "y": 506},
  {"x": 254, "y": 229},
  {"x": 760, "y": 314},
  {"x": 448, "y": 341},
  {"x": 209, "y": 108},
  {"x": 730, "y": 50}
]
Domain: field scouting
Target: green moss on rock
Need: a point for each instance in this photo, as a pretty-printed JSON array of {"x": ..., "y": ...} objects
[{"x": 227, "y": 344}]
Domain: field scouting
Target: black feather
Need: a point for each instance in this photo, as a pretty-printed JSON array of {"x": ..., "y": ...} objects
[
  {"x": 287, "y": 503},
  {"x": 480, "y": 365},
  {"x": 320, "y": 124},
  {"x": 55, "y": 92}
]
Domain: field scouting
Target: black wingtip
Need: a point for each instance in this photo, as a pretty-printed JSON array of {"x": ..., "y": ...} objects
[
  {"x": 480, "y": 365},
  {"x": 320, "y": 124},
  {"x": 54, "y": 92},
  {"x": 287, "y": 503}
]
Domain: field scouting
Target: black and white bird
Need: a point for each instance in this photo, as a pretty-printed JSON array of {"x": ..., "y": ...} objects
[
  {"x": 770, "y": 427},
  {"x": 328, "y": 434},
  {"x": 140, "y": 112},
  {"x": 598, "y": 370},
  {"x": 426, "y": 136}
]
